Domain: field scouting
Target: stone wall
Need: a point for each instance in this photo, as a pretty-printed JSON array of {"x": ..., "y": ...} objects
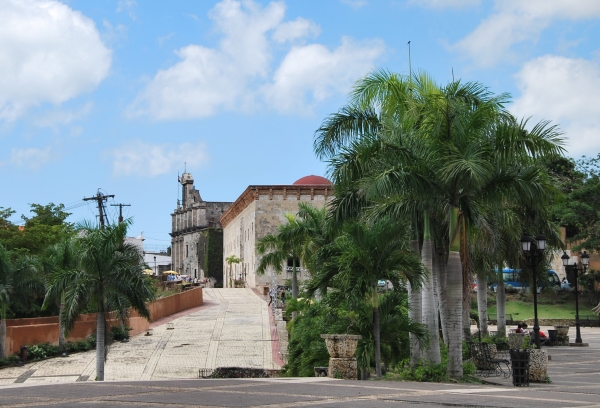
[{"x": 259, "y": 211}]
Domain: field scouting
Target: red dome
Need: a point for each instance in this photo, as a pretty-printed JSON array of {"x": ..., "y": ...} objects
[{"x": 312, "y": 180}]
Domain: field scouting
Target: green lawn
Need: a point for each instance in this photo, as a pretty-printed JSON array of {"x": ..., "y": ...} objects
[
  {"x": 521, "y": 310},
  {"x": 559, "y": 305}
]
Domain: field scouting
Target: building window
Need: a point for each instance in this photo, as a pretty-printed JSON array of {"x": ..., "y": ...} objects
[{"x": 186, "y": 251}]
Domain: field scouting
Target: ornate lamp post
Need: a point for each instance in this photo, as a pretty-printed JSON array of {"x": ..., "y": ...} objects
[
  {"x": 585, "y": 261},
  {"x": 534, "y": 251}
]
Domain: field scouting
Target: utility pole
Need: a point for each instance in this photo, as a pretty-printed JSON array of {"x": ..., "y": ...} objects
[
  {"x": 100, "y": 198},
  {"x": 120, "y": 210}
]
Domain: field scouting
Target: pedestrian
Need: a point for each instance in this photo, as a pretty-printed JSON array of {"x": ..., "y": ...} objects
[
  {"x": 282, "y": 295},
  {"x": 271, "y": 296}
]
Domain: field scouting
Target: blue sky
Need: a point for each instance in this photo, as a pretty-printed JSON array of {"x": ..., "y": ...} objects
[{"x": 119, "y": 94}]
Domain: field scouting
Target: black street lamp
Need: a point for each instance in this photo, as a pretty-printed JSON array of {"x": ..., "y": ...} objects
[
  {"x": 156, "y": 273},
  {"x": 585, "y": 261},
  {"x": 534, "y": 249}
]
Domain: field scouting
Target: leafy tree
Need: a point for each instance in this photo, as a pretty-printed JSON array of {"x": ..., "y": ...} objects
[
  {"x": 579, "y": 209},
  {"x": 17, "y": 277},
  {"x": 108, "y": 278},
  {"x": 46, "y": 227}
]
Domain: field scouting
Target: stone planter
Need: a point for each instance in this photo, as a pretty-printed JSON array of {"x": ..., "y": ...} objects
[
  {"x": 538, "y": 365},
  {"x": 562, "y": 330},
  {"x": 515, "y": 340},
  {"x": 341, "y": 348},
  {"x": 341, "y": 345}
]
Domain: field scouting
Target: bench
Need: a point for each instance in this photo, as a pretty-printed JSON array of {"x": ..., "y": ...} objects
[
  {"x": 589, "y": 321},
  {"x": 487, "y": 364},
  {"x": 493, "y": 319}
]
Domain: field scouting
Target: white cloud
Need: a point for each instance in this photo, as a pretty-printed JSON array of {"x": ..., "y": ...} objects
[
  {"x": 517, "y": 21},
  {"x": 127, "y": 6},
  {"x": 150, "y": 160},
  {"x": 208, "y": 80},
  {"x": 32, "y": 158},
  {"x": 565, "y": 91},
  {"x": 311, "y": 73},
  {"x": 355, "y": 4},
  {"x": 61, "y": 117},
  {"x": 292, "y": 30},
  {"x": 48, "y": 53},
  {"x": 442, "y": 4}
]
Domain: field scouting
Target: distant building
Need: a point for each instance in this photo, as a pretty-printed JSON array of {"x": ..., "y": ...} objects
[
  {"x": 196, "y": 234},
  {"x": 159, "y": 262},
  {"x": 258, "y": 212}
]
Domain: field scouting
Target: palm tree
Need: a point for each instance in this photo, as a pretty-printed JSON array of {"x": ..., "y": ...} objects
[
  {"x": 291, "y": 242},
  {"x": 454, "y": 148},
  {"x": 362, "y": 255},
  {"x": 59, "y": 257},
  {"x": 109, "y": 273},
  {"x": 18, "y": 277},
  {"x": 232, "y": 259}
]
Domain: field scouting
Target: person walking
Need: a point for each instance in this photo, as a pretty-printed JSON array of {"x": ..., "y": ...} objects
[
  {"x": 271, "y": 296},
  {"x": 283, "y": 295}
]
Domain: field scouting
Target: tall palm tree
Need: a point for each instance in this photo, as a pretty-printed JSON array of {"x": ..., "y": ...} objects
[
  {"x": 454, "y": 147},
  {"x": 109, "y": 273},
  {"x": 231, "y": 259},
  {"x": 362, "y": 255},
  {"x": 59, "y": 257},
  {"x": 18, "y": 277}
]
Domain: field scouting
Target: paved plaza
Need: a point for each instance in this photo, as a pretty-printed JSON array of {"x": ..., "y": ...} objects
[{"x": 232, "y": 328}]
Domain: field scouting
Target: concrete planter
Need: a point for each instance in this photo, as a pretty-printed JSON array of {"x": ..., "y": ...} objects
[
  {"x": 538, "y": 365},
  {"x": 341, "y": 345},
  {"x": 341, "y": 348}
]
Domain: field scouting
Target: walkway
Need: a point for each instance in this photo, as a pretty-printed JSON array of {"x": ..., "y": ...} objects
[{"x": 231, "y": 329}]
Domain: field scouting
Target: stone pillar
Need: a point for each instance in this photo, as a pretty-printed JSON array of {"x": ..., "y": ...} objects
[{"x": 341, "y": 348}]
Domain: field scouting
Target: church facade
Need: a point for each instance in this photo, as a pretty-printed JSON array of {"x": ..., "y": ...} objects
[
  {"x": 257, "y": 212},
  {"x": 196, "y": 234}
]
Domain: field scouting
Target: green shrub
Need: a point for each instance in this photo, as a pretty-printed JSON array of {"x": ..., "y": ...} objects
[
  {"x": 36, "y": 352},
  {"x": 10, "y": 360},
  {"x": 117, "y": 333}
]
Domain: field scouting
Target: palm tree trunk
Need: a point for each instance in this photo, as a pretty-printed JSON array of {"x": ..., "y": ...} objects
[
  {"x": 61, "y": 327},
  {"x": 414, "y": 313},
  {"x": 439, "y": 268},
  {"x": 294, "y": 279},
  {"x": 3, "y": 335},
  {"x": 429, "y": 311},
  {"x": 482, "y": 303},
  {"x": 501, "y": 304},
  {"x": 454, "y": 288},
  {"x": 467, "y": 278},
  {"x": 100, "y": 352},
  {"x": 376, "y": 332}
]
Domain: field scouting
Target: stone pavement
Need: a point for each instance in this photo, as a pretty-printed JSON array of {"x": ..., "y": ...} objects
[{"x": 231, "y": 329}]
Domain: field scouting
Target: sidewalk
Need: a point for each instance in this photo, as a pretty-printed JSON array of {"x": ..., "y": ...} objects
[{"x": 232, "y": 328}]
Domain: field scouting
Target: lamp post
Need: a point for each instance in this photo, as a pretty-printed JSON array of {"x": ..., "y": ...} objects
[
  {"x": 585, "y": 261},
  {"x": 155, "y": 273},
  {"x": 534, "y": 249}
]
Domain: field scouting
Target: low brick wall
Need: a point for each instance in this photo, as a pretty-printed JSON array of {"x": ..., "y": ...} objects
[{"x": 20, "y": 332}]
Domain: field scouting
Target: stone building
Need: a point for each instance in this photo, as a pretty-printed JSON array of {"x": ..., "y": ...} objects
[
  {"x": 196, "y": 233},
  {"x": 258, "y": 212}
]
